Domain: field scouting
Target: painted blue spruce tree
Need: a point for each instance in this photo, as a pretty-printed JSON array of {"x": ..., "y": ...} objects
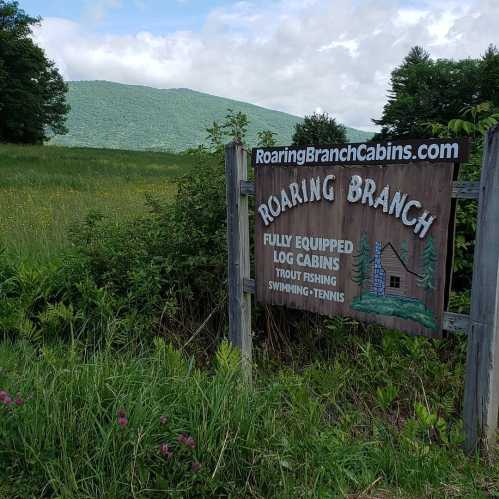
[
  {"x": 428, "y": 267},
  {"x": 361, "y": 264}
]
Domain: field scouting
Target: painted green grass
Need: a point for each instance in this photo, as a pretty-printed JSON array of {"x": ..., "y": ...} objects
[
  {"x": 43, "y": 190},
  {"x": 317, "y": 432},
  {"x": 394, "y": 306}
]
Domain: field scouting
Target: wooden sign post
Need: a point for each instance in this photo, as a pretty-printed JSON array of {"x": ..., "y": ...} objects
[
  {"x": 236, "y": 171},
  {"x": 481, "y": 397},
  {"x": 362, "y": 230}
]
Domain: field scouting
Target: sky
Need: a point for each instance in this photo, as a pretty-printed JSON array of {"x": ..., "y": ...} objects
[{"x": 297, "y": 56}]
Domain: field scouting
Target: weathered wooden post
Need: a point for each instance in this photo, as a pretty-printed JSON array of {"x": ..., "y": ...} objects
[
  {"x": 481, "y": 397},
  {"x": 236, "y": 170}
]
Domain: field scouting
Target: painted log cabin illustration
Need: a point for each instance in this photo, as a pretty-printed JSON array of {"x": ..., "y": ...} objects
[
  {"x": 387, "y": 286},
  {"x": 389, "y": 273}
]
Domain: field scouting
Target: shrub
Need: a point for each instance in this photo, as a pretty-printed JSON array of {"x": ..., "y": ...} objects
[{"x": 156, "y": 273}]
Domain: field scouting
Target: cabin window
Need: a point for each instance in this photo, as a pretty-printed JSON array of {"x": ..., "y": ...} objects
[{"x": 394, "y": 281}]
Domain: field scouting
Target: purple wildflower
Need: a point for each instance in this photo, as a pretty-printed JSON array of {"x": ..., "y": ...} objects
[
  {"x": 195, "y": 467},
  {"x": 187, "y": 440},
  {"x": 163, "y": 420},
  {"x": 3, "y": 395},
  {"x": 122, "y": 421},
  {"x": 19, "y": 401},
  {"x": 164, "y": 449}
]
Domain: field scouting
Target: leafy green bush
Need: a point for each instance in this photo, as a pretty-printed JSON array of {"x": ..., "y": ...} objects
[
  {"x": 151, "y": 274},
  {"x": 169, "y": 264},
  {"x": 473, "y": 123}
]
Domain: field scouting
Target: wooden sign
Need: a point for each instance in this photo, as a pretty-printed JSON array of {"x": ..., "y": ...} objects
[{"x": 369, "y": 242}]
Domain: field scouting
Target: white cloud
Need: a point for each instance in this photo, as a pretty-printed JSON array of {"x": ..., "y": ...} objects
[
  {"x": 291, "y": 55},
  {"x": 409, "y": 17},
  {"x": 351, "y": 45}
]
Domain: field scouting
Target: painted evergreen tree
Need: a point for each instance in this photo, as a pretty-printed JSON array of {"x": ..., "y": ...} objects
[
  {"x": 361, "y": 264},
  {"x": 429, "y": 263}
]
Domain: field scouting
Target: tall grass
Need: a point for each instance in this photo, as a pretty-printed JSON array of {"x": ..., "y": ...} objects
[
  {"x": 327, "y": 431},
  {"x": 43, "y": 190}
]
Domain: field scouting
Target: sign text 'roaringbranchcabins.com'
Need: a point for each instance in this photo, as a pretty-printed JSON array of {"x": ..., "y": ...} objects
[{"x": 359, "y": 230}]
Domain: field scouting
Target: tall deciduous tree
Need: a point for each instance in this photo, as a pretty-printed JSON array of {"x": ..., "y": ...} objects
[
  {"x": 32, "y": 92},
  {"x": 319, "y": 129},
  {"x": 266, "y": 138},
  {"x": 489, "y": 76},
  {"x": 424, "y": 90},
  {"x": 236, "y": 125}
]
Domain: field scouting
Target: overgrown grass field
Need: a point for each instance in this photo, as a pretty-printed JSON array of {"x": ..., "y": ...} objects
[
  {"x": 43, "y": 190},
  {"x": 115, "y": 381}
]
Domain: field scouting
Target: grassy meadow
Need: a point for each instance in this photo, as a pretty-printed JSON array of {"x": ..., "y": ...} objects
[{"x": 43, "y": 190}]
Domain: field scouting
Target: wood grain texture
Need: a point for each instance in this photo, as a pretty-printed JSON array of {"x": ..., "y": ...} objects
[
  {"x": 456, "y": 323},
  {"x": 431, "y": 184},
  {"x": 466, "y": 190},
  {"x": 481, "y": 398},
  {"x": 460, "y": 190},
  {"x": 236, "y": 170}
]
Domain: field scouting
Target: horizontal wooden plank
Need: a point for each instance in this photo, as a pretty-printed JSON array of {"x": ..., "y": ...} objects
[
  {"x": 247, "y": 188},
  {"x": 456, "y": 322},
  {"x": 249, "y": 286},
  {"x": 466, "y": 190}
]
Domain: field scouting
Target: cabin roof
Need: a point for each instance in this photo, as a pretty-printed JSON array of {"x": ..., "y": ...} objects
[{"x": 399, "y": 258}]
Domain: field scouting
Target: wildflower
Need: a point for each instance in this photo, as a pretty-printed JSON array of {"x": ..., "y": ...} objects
[
  {"x": 195, "y": 467},
  {"x": 163, "y": 420},
  {"x": 3, "y": 395},
  {"x": 164, "y": 449},
  {"x": 187, "y": 440},
  {"x": 122, "y": 421},
  {"x": 19, "y": 401},
  {"x": 7, "y": 400}
]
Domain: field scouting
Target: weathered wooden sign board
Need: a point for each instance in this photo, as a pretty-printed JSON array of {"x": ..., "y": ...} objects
[
  {"x": 362, "y": 230},
  {"x": 369, "y": 242}
]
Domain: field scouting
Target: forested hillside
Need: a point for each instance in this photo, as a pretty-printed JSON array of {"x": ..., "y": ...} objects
[{"x": 111, "y": 115}]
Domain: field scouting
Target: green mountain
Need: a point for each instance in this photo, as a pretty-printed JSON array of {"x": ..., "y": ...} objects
[{"x": 116, "y": 116}]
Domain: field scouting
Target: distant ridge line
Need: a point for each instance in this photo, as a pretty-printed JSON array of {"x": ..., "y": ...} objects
[{"x": 137, "y": 117}]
